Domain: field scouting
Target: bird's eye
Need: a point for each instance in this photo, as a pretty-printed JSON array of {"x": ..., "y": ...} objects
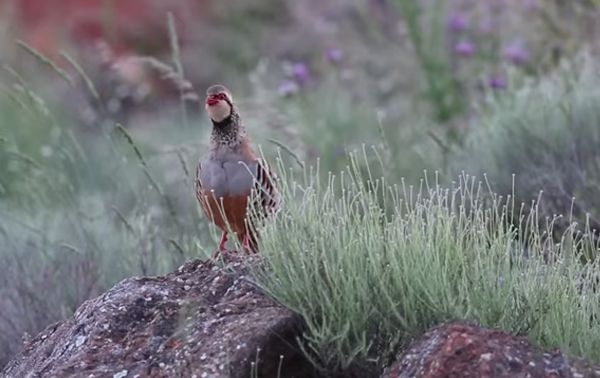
[{"x": 221, "y": 96}]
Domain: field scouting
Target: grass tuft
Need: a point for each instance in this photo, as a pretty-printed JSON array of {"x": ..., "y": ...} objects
[
  {"x": 369, "y": 266},
  {"x": 47, "y": 62}
]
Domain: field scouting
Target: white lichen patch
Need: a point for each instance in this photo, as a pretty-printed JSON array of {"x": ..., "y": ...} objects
[
  {"x": 79, "y": 341},
  {"x": 486, "y": 357},
  {"x": 121, "y": 374}
]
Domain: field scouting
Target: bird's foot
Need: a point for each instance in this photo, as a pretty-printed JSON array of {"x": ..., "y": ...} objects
[
  {"x": 248, "y": 248},
  {"x": 223, "y": 242},
  {"x": 219, "y": 252},
  {"x": 222, "y": 249},
  {"x": 246, "y": 244}
]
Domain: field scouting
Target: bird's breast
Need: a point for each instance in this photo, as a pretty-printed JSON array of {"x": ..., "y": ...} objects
[{"x": 228, "y": 175}]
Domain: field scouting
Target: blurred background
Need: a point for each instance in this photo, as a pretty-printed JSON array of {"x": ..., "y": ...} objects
[{"x": 102, "y": 123}]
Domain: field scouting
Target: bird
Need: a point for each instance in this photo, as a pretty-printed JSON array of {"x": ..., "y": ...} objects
[{"x": 233, "y": 184}]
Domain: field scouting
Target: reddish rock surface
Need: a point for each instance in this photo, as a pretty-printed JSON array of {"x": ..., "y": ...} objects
[
  {"x": 200, "y": 321},
  {"x": 461, "y": 350}
]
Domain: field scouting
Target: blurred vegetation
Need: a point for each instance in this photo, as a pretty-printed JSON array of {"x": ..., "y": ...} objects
[
  {"x": 546, "y": 134},
  {"x": 100, "y": 135},
  {"x": 442, "y": 87}
]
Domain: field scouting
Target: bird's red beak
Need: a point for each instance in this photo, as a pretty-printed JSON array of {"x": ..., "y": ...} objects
[{"x": 212, "y": 100}]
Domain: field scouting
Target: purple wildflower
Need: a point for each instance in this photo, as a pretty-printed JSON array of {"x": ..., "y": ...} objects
[
  {"x": 334, "y": 55},
  {"x": 458, "y": 22},
  {"x": 517, "y": 52},
  {"x": 287, "y": 88},
  {"x": 464, "y": 48},
  {"x": 301, "y": 73},
  {"x": 497, "y": 81}
]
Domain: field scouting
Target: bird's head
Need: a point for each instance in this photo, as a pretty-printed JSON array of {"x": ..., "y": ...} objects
[{"x": 219, "y": 104}]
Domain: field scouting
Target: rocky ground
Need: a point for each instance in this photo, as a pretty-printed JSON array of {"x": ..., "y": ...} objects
[{"x": 206, "y": 320}]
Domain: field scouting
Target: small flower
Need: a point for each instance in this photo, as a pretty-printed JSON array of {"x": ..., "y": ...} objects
[
  {"x": 497, "y": 81},
  {"x": 464, "y": 48},
  {"x": 517, "y": 52},
  {"x": 301, "y": 73},
  {"x": 334, "y": 55},
  {"x": 288, "y": 88},
  {"x": 458, "y": 22}
]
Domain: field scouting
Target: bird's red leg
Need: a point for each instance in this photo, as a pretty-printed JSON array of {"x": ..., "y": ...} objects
[
  {"x": 246, "y": 243},
  {"x": 222, "y": 247},
  {"x": 223, "y": 241}
]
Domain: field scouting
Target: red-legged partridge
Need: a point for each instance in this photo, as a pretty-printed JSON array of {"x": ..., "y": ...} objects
[{"x": 232, "y": 182}]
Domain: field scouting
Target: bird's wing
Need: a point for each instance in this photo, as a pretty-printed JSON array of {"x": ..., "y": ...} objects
[
  {"x": 267, "y": 198},
  {"x": 199, "y": 191},
  {"x": 198, "y": 183},
  {"x": 199, "y": 194}
]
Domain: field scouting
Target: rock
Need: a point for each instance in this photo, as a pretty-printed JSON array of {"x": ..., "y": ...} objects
[
  {"x": 204, "y": 320},
  {"x": 462, "y": 350},
  {"x": 199, "y": 321}
]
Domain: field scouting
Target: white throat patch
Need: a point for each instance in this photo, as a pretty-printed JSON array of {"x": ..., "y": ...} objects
[{"x": 218, "y": 112}]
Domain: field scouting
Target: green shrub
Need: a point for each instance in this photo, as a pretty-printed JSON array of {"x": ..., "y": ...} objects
[
  {"x": 367, "y": 282},
  {"x": 443, "y": 90}
]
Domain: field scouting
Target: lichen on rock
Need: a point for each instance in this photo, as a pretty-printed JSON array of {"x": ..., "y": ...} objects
[{"x": 202, "y": 320}]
